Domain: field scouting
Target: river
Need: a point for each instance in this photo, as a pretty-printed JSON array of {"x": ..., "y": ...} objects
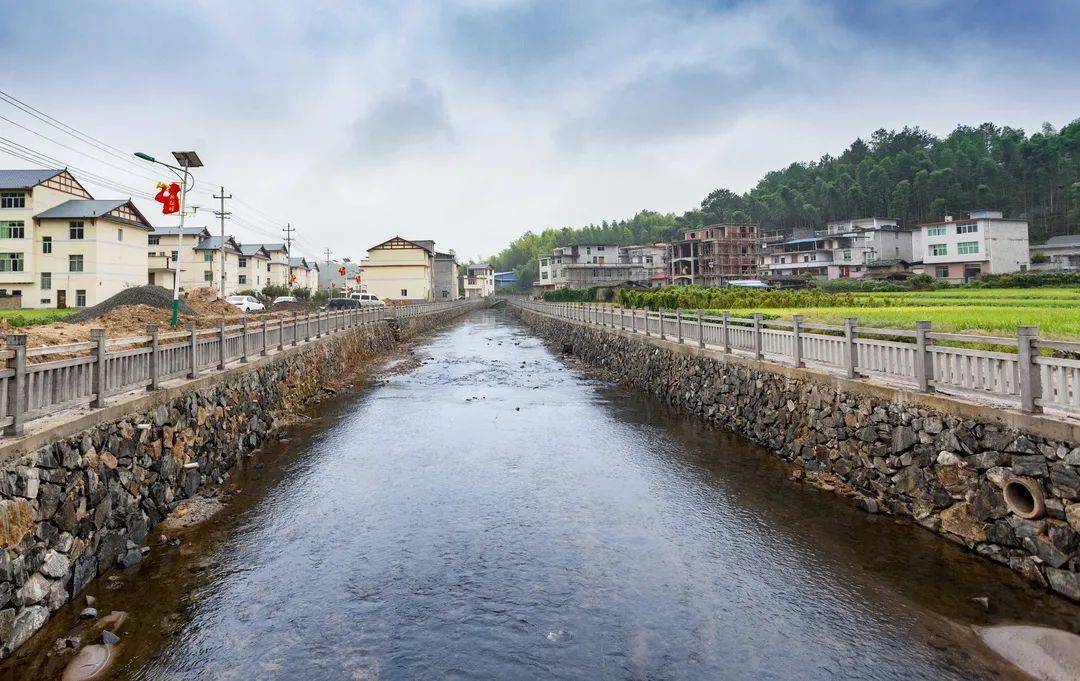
[{"x": 487, "y": 510}]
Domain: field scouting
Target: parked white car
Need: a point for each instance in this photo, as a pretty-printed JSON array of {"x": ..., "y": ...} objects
[
  {"x": 246, "y": 303},
  {"x": 284, "y": 299},
  {"x": 367, "y": 299}
]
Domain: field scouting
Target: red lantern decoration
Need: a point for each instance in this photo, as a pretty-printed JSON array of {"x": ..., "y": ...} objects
[
  {"x": 358, "y": 279},
  {"x": 169, "y": 197},
  {"x": 341, "y": 271},
  {"x": 292, "y": 278}
]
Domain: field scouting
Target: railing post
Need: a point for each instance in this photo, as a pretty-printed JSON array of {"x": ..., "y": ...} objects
[
  {"x": 725, "y": 336},
  {"x": 266, "y": 337},
  {"x": 221, "y": 344},
  {"x": 700, "y": 330},
  {"x": 924, "y": 358},
  {"x": 646, "y": 310},
  {"x": 193, "y": 370},
  {"x": 758, "y": 354},
  {"x": 796, "y": 340},
  {"x": 244, "y": 350},
  {"x": 98, "y": 380},
  {"x": 295, "y": 328},
  {"x": 16, "y": 397},
  {"x": 155, "y": 369},
  {"x": 662, "y": 337},
  {"x": 1030, "y": 373},
  {"x": 849, "y": 346},
  {"x": 678, "y": 324}
]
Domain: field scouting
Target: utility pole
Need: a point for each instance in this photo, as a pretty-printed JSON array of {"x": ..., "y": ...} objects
[
  {"x": 288, "y": 229},
  {"x": 223, "y": 215},
  {"x": 329, "y": 275}
]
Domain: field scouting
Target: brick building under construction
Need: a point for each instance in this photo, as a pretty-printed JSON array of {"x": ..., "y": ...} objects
[{"x": 714, "y": 255}]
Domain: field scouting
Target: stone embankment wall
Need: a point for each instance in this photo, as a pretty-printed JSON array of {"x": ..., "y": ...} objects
[
  {"x": 947, "y": 463},
  {"x": 80, "y": 499}
]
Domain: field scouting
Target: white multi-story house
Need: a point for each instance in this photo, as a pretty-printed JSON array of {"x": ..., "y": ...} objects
[
  {"x": 479, "y": 281},
  {"x": 1062, "y": 253},
  {"x": 61, "y": 248},
  {"x": 277, "y": 268},
  {"x": 797, "y": 256},
  {"x": 653, "y": 259},
  {"x": 166, "y": 248},
  {"x": 576, "y": 266},
  {"x": 304, "y": 273},
  {"x": 983, "y": 242},
  {"x": 208, "y": 261},
  {"x": 251, "y": 267},
  {"x": 862, "y": 243}
]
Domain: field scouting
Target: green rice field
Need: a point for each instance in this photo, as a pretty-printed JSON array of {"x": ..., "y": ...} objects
[{"x": 995, "y": 312}]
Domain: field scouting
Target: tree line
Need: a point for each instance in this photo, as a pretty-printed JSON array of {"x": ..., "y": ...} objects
[{"x": 907, "y": 174}]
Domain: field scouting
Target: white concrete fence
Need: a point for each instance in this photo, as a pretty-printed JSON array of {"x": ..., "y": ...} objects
[
  {"x": 1024, "y": 375},
  {"x": 43, "y": 380}
]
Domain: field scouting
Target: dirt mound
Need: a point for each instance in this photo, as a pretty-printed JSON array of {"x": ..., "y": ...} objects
[
  {"x": 206, "y": 302},
  {"x": 147, "y": 296}
]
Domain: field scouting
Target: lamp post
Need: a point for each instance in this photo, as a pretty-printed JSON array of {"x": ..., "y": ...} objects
[{"x": 186, "y": 159}]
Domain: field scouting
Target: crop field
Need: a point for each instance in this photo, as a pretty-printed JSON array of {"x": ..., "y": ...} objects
[
  {"x": 1055, "y": 311},
  {"x": 34, "y": 317}
]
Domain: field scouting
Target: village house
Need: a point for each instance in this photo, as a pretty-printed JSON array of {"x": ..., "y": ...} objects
[
  {"x": 714, "y": 255},
  {"x": 277, "y": 268},
  {"x": 982, "y": 242},
  {"x": 61, "y": 248},
  {"x": 208, "y": 256},
  {"x": 166, "y": 246},
  {"x": 479, "y": 281},
  {"x": 446, "y": 276},
  {"x": 844, "y": 249},
  {"x": 252, "y": 274},
  {"x": 653, "y": 259},
  {"x": 1060, "y": 252},
  {"x": 400, "y": 269},
  {"x": 303, "y": 273}
]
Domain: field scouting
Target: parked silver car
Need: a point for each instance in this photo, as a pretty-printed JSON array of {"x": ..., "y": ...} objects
[{"x": 246, "y": 303}]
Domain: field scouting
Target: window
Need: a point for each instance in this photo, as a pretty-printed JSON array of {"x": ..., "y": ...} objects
[
  {"x": 847, "y": 254},
  {"x": 243, "y": 279},
  {"x": 75, "y": 230},
  {"x": 243, "y": 263},
  {"x": 119, "y": 235},
  {"x": 936, "y": 231},
  {"x": 967, "y": 247},
  {"x": 599, "y": 248},
  {"x": 46, "y": 281},
  {"x": 544, "y": 275},
  {"x": 939, "y": 249},
  {"x": 267, "y": 267},
  {"x": 942, "y": 271},
  {"x": 12, "y": 230},
  {"x": 208, "y": 256},
  {"x": 153, "y": 240},
  {"x": 11, "y": 262},
  {"x": 404, "y": 293},
  {"x": 967, "y": 228},
  {"x": 75, "y": 263},
  {"x": 208, "y": 275},
  {"x": 80, "y": 297},
  {"x": 46, "y": 301},
  {"x": 46, "y": 244},
  {"x": 172, "y": 256},
  {"x": 12, "y": 200}
]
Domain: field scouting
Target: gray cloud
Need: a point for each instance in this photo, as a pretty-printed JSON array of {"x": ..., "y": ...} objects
[{"x": 412, "y": 118}]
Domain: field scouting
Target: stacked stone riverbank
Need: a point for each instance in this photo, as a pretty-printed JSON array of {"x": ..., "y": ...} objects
[
  {"x": 80, "y": 498},
  {"x": 1005, "y": 485}
]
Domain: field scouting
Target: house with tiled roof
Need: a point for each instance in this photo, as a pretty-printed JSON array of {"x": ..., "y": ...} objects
[
  {"x": 400, "y": 269},
  {"x": 59, "y": 247}
]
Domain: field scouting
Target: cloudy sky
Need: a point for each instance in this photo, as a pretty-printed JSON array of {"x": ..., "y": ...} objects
[{"x": 470, "y": 122}]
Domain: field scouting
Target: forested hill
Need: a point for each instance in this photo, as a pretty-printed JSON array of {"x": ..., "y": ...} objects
[{"x": 907, "y": 174}]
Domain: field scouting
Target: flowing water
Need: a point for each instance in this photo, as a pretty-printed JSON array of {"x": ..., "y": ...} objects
[{"x": 493, "y": 512}]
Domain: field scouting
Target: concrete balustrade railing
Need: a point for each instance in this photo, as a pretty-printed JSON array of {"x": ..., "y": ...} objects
[
  {"x": 1020, "y": 375},
  {"x": 39, "y": 381}
]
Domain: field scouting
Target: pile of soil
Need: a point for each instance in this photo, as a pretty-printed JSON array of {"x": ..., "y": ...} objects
[
  {"x": 206, "y": 302},
  {"x": 148, "y": 296}
]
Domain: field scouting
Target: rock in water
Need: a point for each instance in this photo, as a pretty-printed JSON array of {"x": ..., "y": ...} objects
[
  {"x": 1044, "y": 653},
  {"x": 109, "y": 638},
  {"x": 88, "y": 664}
]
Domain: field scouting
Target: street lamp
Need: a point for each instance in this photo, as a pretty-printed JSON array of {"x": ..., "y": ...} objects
[{"x": 186, "y": 159}]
